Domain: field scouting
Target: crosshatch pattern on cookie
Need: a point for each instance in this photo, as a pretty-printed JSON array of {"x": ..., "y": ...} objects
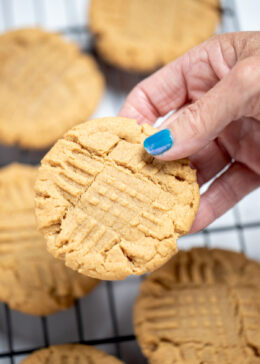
[
  {"x": 141, "y": 35},
  {"x": 46, "y": 87},
  {"x": 202, "y": 304},
  {"x": 63, "y": 354},
  {"x": 108, "y": 208},
  {"x": 31, "y": 280}
]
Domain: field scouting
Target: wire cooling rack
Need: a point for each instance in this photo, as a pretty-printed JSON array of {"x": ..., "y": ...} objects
[{"x": 104, "y": 317}]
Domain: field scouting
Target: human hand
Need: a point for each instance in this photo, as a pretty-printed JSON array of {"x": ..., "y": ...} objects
[{"x": 215, "y": 88}]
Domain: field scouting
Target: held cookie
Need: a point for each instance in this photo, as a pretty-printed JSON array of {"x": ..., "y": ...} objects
[
  {"x": 63, "y": 354},
  {"x": 142, "y": 35},
  {"x": 107, "y": 207},
  {"x": 46, "y": 86},
  {"x": 31, "y": 280},
  {"x": 201, "y": 307}
]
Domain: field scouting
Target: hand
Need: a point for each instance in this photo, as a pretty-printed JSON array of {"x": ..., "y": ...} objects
[{"x": 215, "y": 88}]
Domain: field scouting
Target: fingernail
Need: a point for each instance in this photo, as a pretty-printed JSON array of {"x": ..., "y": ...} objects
[{"x": 159, "y": 143}]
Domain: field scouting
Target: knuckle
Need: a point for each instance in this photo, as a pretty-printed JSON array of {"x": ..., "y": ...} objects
[
  {"x": 195, "y": 122},
  {"x": 141, "y": 92},
  {"x": 245, "y": 72},
  {"x": 246, "y": 79},
  {"x": 137, "y": 90}
]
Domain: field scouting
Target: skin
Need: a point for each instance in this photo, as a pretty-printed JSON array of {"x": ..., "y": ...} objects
[{"x": 215, "y": 88}]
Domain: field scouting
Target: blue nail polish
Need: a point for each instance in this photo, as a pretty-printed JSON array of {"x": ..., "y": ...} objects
[{"x": 159, "y": 143}]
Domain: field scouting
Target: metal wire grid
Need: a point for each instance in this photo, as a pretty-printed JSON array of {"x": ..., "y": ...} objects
[{"x": 119, "y": 83}]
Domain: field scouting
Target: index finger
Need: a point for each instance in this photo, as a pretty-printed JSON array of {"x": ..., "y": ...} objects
[
  {"x": 155, "y": 96},
  {"x": 183, "y": 80}
]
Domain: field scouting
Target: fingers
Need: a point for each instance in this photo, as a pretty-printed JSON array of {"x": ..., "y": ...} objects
[
  {"x": 185, "y": 79},
  {"x": 224, "y": 193},
  {"x": 158, "y": 94},
  {"x": 189, "y": 77},
  {"x": 236, "y": 95}
]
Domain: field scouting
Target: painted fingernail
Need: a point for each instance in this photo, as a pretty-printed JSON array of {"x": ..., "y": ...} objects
[{"x": 159, "y": 143}]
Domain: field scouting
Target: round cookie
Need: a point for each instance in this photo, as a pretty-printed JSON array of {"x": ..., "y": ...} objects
[
  {"x": 63, "y": 354},
  {"x": 107, "y": 207},
  {"x": 141, "y": 35},
  {"x": 31, "y": 280},
  {"x": 46, "y": 86},
  {"x": 201, "y": 307}
]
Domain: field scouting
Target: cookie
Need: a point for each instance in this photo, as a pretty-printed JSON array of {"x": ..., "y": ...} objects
[
  {"x": 31, "y": 280},
  {"x": 141, "y": 35},
  {"x": 107, "y": 207},
  {"x": 63, "y": 354},
  {"x": 201, "y": 307},
  {"x": 46, "y": 86}
]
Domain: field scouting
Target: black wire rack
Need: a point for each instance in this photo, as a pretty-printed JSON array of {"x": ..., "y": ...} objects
[{"x": 21, "y": 334}]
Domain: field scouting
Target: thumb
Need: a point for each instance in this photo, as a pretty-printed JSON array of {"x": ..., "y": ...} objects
[{"x": 197, "y": 124}]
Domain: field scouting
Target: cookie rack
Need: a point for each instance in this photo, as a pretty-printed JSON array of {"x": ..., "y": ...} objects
[{"x": 104, "y": 318}]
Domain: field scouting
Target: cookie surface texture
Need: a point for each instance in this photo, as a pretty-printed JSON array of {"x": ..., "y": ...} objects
[
  {"x": 31, "y": 280},
  {"x": 201, "y": 307},
  {"x": 46, "y": 87},
  {"x": 63, "y": 354},
  {"x": 107, "y": 207},
  {"x": 141, "y": 35}
]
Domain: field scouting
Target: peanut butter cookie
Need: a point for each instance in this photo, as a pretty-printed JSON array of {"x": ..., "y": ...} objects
[
  {"x": 201, "y": 307},
  {"x": 46, "y": 86},
  {"x": 63, "y": 354},
  {"x": 31, "y": 280},
  {"x": 107, "y": 207},
  {"x": 141, "y": 35}
]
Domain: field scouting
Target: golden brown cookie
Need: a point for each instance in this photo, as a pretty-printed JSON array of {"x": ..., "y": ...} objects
[
  {"x": 201, "y": 307},
  {"x": 31, "y": 280},
  {"x": 107, "y": 207},
  {"x": 142, "y": 35},
  {"x": 63, "y": 354},
  {"x": 46, "y": 86}
]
